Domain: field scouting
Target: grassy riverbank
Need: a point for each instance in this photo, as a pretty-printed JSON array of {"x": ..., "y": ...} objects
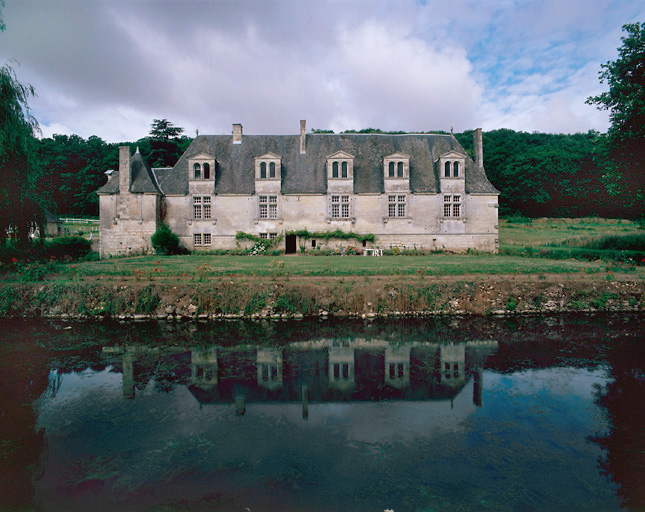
[{"x": 536, "y": 271}]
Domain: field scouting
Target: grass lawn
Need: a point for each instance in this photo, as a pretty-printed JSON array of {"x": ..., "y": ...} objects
[
  {"x": 563, "y": 232},
  {"x": 560, "y": 236},
  {"x": 203, "y": 266}
]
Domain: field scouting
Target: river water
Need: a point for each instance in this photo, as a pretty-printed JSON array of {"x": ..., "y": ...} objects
[{"x": 407, "y": 415}]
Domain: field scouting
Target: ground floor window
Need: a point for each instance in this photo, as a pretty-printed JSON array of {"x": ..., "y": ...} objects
[
  {"x": 452, "y": 205},
  {"x": 202, "y": 239},
  {"x": 396, "y": 205}
]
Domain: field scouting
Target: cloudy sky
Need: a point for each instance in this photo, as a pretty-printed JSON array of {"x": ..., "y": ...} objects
[{"x": 108, "y": 68}]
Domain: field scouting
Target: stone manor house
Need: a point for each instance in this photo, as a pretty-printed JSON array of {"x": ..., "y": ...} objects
[{"x": 410, "y": 191}]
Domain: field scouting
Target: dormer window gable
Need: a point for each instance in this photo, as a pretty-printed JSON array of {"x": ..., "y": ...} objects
[
  {"x": 452, "y": 165},
  {"x": 268, "y": 167},
  {"x": 340, "y": 165},
  {"x": 396, "y": 166},
  {"x": 201, "y": 167}
]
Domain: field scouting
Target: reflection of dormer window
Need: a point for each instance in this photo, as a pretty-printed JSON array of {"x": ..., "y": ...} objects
[
  {"x": 340, "y": 165},
  {"x": 396, "y": 166},
  {"x": 267, "y": 167}
]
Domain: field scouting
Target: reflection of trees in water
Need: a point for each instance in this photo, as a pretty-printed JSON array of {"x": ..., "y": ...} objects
[
  {"x": 623, "y": 459},
  {"x": 23, "y": 378}
]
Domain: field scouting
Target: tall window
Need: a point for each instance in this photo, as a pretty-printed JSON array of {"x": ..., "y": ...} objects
[
  {"x": 197, "y": 169},
  {"x": 447, "y": 170},
  {"x": 263, "y": 170},
  {"x": 396, "y": 166},
  {"x": 202, "y": 207},
  {"x": 272, "y": 170},
  {"x": 340, "y": 169},
  {"x": 452, "y": 206},
  {"x": 268, "y": 207},
  {"x": 207, "y": 171},
  {"x": 396, "y": 205},
  {"x": 455, "y": 170},
  {"x": 340, "y": 207}
]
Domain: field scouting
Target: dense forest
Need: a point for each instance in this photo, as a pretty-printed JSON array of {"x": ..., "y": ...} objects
[
  {"x": 538, "y": 174},
  {"x": 73, "y": 167}
]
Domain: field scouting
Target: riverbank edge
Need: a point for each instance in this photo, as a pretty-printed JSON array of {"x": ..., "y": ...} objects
[{"x": 309, "y": 297}]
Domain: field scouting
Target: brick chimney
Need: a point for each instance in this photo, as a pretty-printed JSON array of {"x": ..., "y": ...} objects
[
  {"x": 124, "y": 169},
  {"x": 479, "y": 147},
  {"x": 237, "y": 134},
  {"x": 303, "y": 137}
]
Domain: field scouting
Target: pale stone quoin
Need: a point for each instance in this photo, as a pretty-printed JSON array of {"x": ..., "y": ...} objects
[{"x": 410, "y": 191}]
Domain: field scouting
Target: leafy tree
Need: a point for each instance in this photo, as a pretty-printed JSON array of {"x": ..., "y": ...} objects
[
  {"x": 625, "y": 101},
  {"x": 165, "y": 143},
  {"x": 20, "y": 198},
  {"x": 74, "y": 170}
]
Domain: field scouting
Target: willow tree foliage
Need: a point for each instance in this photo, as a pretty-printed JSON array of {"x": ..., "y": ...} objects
[
  {"x": 20, "y": 201},
  {"x": 625, "y": 100}
]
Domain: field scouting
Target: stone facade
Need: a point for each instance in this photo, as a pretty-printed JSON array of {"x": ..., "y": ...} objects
[{"x": 410, "y": 191}]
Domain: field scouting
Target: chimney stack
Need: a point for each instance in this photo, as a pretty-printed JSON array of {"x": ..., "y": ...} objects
[
  {"x": 124, "y": 169},
  {"x": 237, "y": 134},
  {"x": 303, "y": 136},
  {"x": 479, "y": 147}
]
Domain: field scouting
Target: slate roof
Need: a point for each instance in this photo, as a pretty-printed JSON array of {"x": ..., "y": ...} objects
[
  {"x": 306, "y": 173},
  {"x": 142, "y": 179}
]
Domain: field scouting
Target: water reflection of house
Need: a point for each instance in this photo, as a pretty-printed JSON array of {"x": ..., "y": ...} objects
[
  {"x": 341, "y": 368},
  {"x": 203, "y": 365},
  {"x": 330, "y": 370},
  {"x": 270, "y": 363},
  {"x": 397, "y": 366},
  {"x": 452, "y": 364}
]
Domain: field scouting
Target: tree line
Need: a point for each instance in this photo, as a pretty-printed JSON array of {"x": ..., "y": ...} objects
[{"x": 537, "y": 174}]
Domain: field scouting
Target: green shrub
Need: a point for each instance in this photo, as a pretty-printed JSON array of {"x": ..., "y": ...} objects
[
  {"x": 164, "y": 241},
  {"x": 70, "y": 247}
]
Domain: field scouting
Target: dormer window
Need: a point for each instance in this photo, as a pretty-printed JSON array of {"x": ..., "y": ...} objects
[
  {"x": 268, "y": 167},
  {"x": 201, "y": 167},
  {"x": 452, "y": 164},
  {"x": 397, "y": 166},
  {"x": 455, "y": 169},
  {"x": 340, "y": 165}
]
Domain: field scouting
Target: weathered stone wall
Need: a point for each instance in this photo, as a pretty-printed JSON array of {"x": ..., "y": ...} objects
[
  {"x": 423, "y": 227},
  {"x": 128, "y": 222}
]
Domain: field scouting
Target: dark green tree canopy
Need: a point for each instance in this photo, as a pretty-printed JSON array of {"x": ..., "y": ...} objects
[
  {"x": 166, "y": 145},
  {"x": 162, "y": 129},
  {"x": 625, "y": 77},
  {"x": 625, "y": 101}
]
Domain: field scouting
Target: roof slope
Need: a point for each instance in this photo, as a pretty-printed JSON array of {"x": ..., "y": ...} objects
[
  {"x": 142, "y": 179},
  {"x": 306, "y": 173}
]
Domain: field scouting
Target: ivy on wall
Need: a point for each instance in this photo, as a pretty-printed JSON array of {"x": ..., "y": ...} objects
[{"x": 337, "y": 234}]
